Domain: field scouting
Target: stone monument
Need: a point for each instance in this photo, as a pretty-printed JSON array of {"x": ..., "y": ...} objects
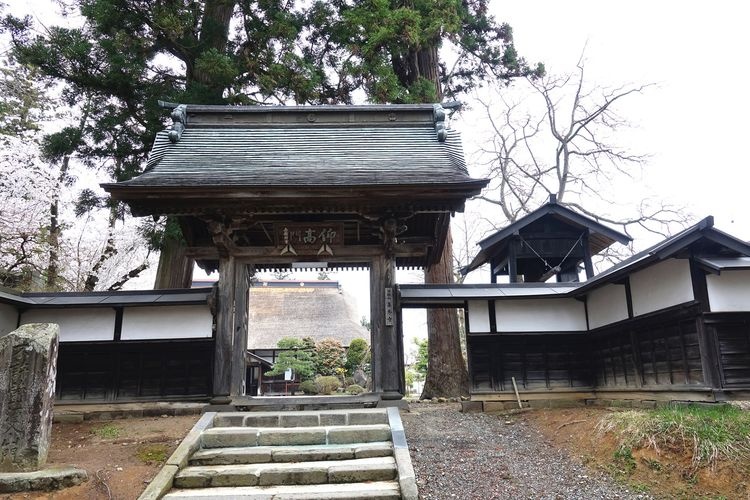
[{"x": 28, "y": 362}]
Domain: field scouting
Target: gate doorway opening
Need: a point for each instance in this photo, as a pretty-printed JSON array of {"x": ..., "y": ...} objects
[{"x": 293, "y": 307}]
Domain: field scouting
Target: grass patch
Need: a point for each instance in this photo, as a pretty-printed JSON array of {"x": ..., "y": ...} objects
[
  {"x": 152, "y": 453},
  {"x": 623, "y": 464},
  {"x": 707, "y": 434},
  {"x": 108, "y": 431}
]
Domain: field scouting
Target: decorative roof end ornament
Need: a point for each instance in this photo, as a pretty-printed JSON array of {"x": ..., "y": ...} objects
[
  {"x": 439, "y": 115},
  {"x": 179, "y": 119}
]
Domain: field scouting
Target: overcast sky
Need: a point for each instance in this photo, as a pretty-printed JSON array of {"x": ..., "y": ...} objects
[{"x": 694, "y": 123}]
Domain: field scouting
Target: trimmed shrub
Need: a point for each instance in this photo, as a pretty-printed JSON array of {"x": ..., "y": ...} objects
[
  {"x": 355, "y": 389},
  {"x": 327, "y": 384},
  {"x": 308, "y": 387},
  {"x": 329, "y": 357},
  {"x": 356, "y": 355}
]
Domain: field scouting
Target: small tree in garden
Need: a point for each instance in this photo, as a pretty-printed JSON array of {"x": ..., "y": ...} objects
[
  {"x": 356, "y": 355},
  {"x": 295, "y": 356},
  {"x": 329, "y": 355}
]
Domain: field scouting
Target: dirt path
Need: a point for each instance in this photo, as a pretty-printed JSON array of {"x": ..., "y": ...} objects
[
  {"x": 483, "y": 456},
  {"x": 120, "y": 456}
]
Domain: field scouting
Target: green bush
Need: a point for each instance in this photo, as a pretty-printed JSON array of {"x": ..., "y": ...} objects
[
  {"x": 354, "y": 389},
  {"x": 329, "y": 357},
  {"x": 356, "y": 355},
  {"x": 308, "y": 387},
  {"x": 327, "y": 384}
]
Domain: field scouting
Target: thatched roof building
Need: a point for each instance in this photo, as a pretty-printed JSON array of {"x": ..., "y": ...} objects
[{"x": 316, "y": 309}]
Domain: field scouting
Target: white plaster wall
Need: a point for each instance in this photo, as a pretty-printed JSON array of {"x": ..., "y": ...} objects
[
  {"x": 607, "y": 305},
  {"x": 76, "y": 325},
  {"x": 166, "y": 322},
  {"x": 8, "y": 318},
  {"x": 540, "y": 315},
  {"x": 729, "y": 291},
  {"x": 479, "y": 316},
  {"x": 662, "y": 285}
]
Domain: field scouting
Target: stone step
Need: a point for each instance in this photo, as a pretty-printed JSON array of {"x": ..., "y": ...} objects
[
  {"x": 225, "y": 437},
  {"x": 263, "y": 454},
  {"x": 380, "y": 490},
  {"x": 301, "y": 418},
  {"x": 271, "y": 474}
]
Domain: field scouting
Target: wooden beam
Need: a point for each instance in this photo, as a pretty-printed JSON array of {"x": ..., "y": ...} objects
[{"x": 269, "y": 255}]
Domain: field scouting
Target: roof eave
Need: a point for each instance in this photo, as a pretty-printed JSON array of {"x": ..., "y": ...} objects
[{"x": 555, "y": 208}]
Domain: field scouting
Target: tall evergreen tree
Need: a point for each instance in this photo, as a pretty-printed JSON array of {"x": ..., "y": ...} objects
[{"x": 130, "y": 53}]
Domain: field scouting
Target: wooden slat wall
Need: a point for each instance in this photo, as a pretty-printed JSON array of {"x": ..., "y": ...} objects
[
  {"x": 546, "y": 361},
  {"x": 652, "y": 355},
  {"x": 658, "y": 352},
  {"x": 732, "y": 334},
  {"x": 128, "y": 371}
]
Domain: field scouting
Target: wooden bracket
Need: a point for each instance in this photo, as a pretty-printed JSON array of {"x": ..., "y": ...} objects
[{"x": 222, "y": 237}]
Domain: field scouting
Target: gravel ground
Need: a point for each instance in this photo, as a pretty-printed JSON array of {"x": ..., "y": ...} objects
[{"x": 477, "y": 455}]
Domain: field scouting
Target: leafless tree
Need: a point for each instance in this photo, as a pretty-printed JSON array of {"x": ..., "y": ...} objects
[{"x": 561, "y": 140}]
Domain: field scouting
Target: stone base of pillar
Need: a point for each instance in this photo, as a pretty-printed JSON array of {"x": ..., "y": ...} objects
[
  {"x": 390, "y": 395},
  {"x": 220, "y": 400},
  {"x": 401, "y": 404}
]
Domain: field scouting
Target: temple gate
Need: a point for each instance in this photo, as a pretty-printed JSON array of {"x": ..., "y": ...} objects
[{"x": 333, "y": 187}]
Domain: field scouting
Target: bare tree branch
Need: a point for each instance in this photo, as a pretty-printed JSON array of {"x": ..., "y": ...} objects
[{"x": 558, "y": 141}]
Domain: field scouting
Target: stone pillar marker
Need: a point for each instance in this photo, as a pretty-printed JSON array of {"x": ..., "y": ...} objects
[{"x": 28, "y": 365}]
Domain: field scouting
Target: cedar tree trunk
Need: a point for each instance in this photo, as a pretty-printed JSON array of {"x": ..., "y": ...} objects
[
  {"x": 446, "y": 369},
  {"x": 175, "y": 269}
]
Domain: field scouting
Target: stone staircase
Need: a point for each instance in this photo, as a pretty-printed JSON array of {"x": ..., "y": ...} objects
[{"x": 353, "y": 453}]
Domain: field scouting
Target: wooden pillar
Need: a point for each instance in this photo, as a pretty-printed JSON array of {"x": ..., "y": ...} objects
[
  {"x": 243, "y": 274},
  {"x": 587, "y": 264},
  {"x": 512, "y": 261},
  {"x": 386, "y": 364},
  {"x": 222, "y": 383}
]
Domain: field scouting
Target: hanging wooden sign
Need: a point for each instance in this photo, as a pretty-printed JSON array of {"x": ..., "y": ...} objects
[
  {"x": 308, "y": 239},
  {"x": 388, "y": 306}
]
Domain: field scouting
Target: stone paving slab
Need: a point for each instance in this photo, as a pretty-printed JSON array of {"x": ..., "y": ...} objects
[
  {"x": 50, "y": 478},
  {"x": 81, "y": 412},
  {"x": 262, "y": 454},
  {"x": 382, "y": 490},
  {"x": 338, "y": 471},
  {"x": 302, "y": 418},
  {"x": 224, "y": 437}
]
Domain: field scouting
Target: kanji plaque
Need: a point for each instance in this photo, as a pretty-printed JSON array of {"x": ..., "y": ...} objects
[{"x": 308, "y": 239}]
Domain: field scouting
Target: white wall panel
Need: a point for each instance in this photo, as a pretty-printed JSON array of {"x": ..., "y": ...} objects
[
  {"x": 540, "y": 315},
  {"x": 729, "y": 291},
  {"x": 76, "y": 325},
  {"x": 166, "y": 322},
  {"x": 662, "y": 285},
  {"x": 8, "y": 318},
  {"x": 479, "y": 316},
  {"x": 607, "y": 305}
]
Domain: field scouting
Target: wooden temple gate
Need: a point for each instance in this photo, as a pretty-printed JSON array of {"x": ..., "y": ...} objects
[{"x": 335, "y": 186}]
